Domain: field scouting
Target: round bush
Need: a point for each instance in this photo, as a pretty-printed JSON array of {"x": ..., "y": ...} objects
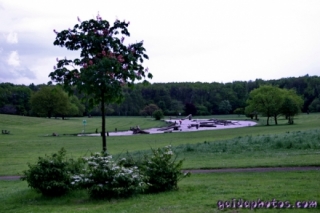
[
  {"x": 158, "y": 114},
  {"x": 162, "y": 172},
  {"x": 51, "y": 175}
]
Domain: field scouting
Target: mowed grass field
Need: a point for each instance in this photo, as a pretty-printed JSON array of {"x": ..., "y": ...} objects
[
  {"x": 255, "y": 146},
  {"x": 31, "y": 137}
]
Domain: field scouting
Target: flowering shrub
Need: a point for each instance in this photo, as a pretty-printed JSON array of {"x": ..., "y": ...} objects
[
  {"x": 51, "y": 176},
  {"x": 105, "y": 178},
  {"x": 161, "y": 171}
]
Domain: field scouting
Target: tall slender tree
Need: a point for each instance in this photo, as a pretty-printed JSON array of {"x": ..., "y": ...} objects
[{"x": 105, "y": 64}]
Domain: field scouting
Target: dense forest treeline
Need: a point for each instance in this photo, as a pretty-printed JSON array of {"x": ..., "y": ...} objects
[{"x": 173, "y": 98}]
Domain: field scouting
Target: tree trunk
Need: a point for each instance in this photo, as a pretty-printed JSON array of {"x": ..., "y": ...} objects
[
  {"x": 290, "y": 120},
  {"x": 268, "y": 121},
  {"x": 103, "y": 129},
  {"x": 275, "y": 120}
]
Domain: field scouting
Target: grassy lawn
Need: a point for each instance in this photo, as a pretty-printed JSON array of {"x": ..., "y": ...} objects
[
  {"x": 255, "y": 146},
  {"x": 31, "y": 138},
  {"x": 198, "y": 193}
]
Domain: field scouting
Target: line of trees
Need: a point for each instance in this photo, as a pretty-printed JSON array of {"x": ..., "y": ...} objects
[
  {"x": 172, "y": 98},
  {"x": 41, "y": 100},
  {"x": 53, "y": 101}
]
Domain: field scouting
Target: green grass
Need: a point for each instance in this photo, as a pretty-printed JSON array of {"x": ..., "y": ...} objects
[
  {"x": 301, "y": 148},
  {"x": 198, "y": 193},
  {"x": 265, "y": 146},
  {"x": 31, "y": 138}
]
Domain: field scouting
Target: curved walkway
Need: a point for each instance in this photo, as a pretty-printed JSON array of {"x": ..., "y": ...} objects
[{"x": 199, "y": 171}]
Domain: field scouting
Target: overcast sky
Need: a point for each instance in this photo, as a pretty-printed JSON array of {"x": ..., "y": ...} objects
[{"x": 187, "y": 41}]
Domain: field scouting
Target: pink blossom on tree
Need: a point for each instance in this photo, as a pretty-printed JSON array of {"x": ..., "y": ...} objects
[{"x": 106, "y": 63}]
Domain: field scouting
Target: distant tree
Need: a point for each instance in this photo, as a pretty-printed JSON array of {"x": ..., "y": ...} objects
[
  {"x": 50, "y": 101},
  {"x": 3, "y": 97},
  {"x": 292, "y": 104},
  {"x": 162, "y": 106},
  {"x": 267, "y": 100},
  {"x": 109, "y": 109},
  {"x": 202, "y": 110},
  {"x": 8, "y": 109},
  {"x": 33, "y": 87},
  {"x": 149, "y": 109},
  {"x": 76, "y": 107},
  {"x": 131, "y": 104},
  {"x": 14, "y": 99},
  {"x": 190, "y": 108},
  {"x": 239, "y": 111},
  {"x": 315, "y": 105},
  {"x": 251, "y": 112},
  {"x": 176, "y": 107},
  {"x": 158, "y": 114},
  {"x": 241, "y": 92},
  {"x": 105, "y": 64},
  {"x": 21, "y": 96},
  {"x": 143, "y": 113},
  {"x": 225, "y": 107}
]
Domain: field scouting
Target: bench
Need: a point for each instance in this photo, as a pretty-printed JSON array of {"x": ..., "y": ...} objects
[{"x": 5, "y": 132}]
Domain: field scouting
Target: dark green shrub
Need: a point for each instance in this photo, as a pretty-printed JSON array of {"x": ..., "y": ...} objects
[
  {"x": 158, "y": 114},
  {"x": 161, "y": 171},
  {"x": 51, "y": 175}
]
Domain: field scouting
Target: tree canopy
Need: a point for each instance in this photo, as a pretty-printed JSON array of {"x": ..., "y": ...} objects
[
  {"x": 271, "y": 101},
  {"x": 49, "y": 101},
  {"x": 14, "y": 99},
  {"x": 171, "y": 97},
  {"x": 292, "y": 104},
  {"x": 315, "y": 105},
  {"x": 225, "y": 107},
  {"x": 149, "y": 109},
  {"x": 267, "y": 100},
  {"x": 105, "y": 64}
]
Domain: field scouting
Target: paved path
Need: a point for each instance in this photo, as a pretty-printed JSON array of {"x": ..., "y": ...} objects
[
  {"x": 198, "y": 171},
  {"x": 263, "y": 169}
]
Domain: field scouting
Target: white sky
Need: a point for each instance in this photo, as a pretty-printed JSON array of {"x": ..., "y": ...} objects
[{"x": 187, "y": 41}]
